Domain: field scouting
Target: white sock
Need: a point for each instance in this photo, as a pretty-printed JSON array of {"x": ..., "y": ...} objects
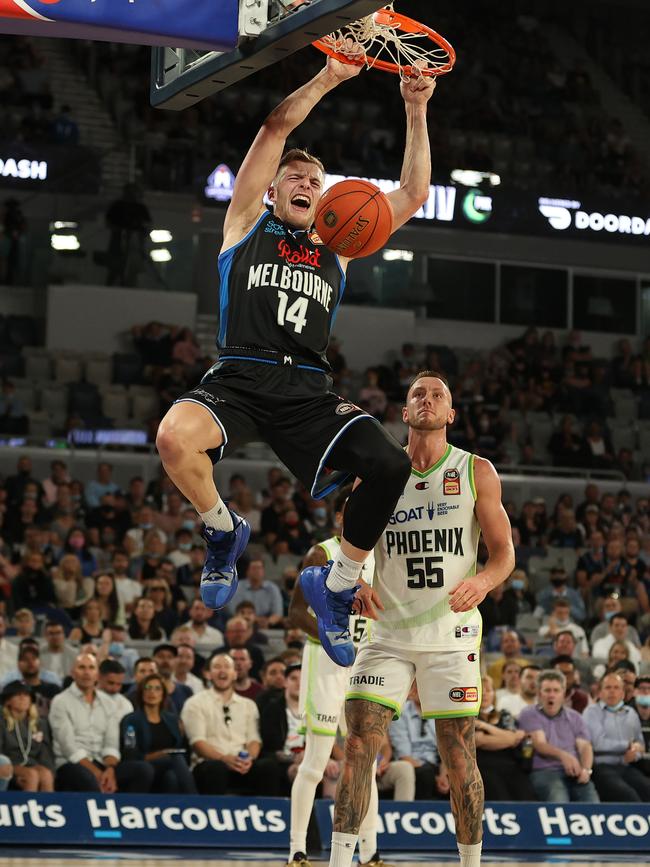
[
  {"x": 470, "y": 854},
  {"x": 368, "y": 829},
  {"x": 318, "y": 749},
  {"x": 344, "y": 573},
  {"x": 343, "y": 846},
  {"x": 298, "y": 843},
  {"x": 218, "y": 517}
]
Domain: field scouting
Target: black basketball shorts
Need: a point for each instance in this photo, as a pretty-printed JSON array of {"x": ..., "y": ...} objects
[{"x": 290, "y": 409}]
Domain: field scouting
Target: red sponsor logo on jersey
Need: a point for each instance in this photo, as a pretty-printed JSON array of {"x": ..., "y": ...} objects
[
  {"x": 300, "y": 256},
  {"x": 464, "y": 693},
  {"x": 451, "y": 483},
  {"x": 314, "y": 237}
]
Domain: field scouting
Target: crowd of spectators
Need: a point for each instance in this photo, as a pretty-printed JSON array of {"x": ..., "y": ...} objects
[
  {"x": 115, "y": 675},
  {"x": 526, "y": 122},
  {"x": 530, "y": 402},
  {"x": 28, "y": 112},
  {"x": 536, "y": 401}
]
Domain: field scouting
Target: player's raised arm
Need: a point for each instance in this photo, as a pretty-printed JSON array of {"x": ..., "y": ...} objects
[
  {"x": 497, "y": 533},
  {"x": 415, "y": 179},
  {"x": 261, "y": 162}
]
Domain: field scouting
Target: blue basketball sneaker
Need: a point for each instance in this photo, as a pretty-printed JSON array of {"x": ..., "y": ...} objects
[
  {"x": 332, "y": 611},
  {"x": 219, "y": 576}
]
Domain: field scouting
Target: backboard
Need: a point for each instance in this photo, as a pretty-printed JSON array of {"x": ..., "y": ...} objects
[{"x": 269, "y": 30}]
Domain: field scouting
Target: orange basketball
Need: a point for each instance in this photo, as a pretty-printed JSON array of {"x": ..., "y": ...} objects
[{"x": 354, "y": 218}]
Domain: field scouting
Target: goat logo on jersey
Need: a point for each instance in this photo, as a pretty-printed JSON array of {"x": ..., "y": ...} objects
[{"x": 451, "y": 483}]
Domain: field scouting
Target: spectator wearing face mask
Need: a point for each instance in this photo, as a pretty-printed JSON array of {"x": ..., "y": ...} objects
[
  {"x": 559, "y": 589},
  {"x": 618, "y": 743},
  {"x": 77, "y": 543},
  {"x": 114, "y": 647},
  {"x": 318, "y": 523},
  {"x": 180, "y": 554},
  {"x": 611, "y": 606}
]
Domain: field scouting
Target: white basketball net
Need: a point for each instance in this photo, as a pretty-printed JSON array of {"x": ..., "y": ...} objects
[{"x": 389, "y": 43}]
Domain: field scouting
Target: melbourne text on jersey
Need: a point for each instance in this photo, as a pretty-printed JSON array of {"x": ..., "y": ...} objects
[
  {"x": 302, "y": 279},
  {"x": 448, "y": 540}
]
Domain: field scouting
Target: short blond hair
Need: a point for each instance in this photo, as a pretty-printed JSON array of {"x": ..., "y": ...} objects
[{"x": 298, "y": 155}]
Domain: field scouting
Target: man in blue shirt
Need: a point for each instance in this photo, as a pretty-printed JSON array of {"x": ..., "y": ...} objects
[
  {"x": 414, "y": 741},
  {"x": 559, "y": 589},
  {"x": 103, "y": 484},
  {"x": 618, "y": 744},
  {"x": 265, "y": 596}
]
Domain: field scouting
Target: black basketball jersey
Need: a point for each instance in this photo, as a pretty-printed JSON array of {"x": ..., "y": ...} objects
[{"x": 280, "y": 290}]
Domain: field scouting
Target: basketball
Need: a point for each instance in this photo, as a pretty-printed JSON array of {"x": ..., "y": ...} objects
[{"x": 354, "y": 219}]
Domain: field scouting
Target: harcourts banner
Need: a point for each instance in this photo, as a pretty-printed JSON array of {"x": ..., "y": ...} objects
[
  {"x": 429, "y": 825},
  {"x": 187, "y": 23},
  {"x": 263, "y": 823},
  {"x": 162, "y": 820}
]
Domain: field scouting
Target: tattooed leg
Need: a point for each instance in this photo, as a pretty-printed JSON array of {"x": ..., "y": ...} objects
[
  {"x": 367, "y": 726},
  {"x": 458, "y": 752}
]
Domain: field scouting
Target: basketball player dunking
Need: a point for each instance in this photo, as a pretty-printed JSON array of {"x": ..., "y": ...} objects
[
  {"x": 430, "y": 628},
  {"x": 279, "y": 293}
]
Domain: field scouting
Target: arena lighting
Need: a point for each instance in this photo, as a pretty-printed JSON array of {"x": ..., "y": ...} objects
[
  {"x": 471, "y": 178},
  {"x": 397, "y": 255},
  {"x": 160, "y": 255},
  {"x": 58, "y": 224},
  {"x": 439, "y": 206},
  {"x": 160, "y": 236},
  {"x": 67, "y": 243}
]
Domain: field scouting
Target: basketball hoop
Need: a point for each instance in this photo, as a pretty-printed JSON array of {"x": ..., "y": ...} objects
[{"x": 413, "y": 48}]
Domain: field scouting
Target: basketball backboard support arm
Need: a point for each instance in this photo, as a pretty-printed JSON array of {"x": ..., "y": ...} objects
[{"x": 182, "y": 77}]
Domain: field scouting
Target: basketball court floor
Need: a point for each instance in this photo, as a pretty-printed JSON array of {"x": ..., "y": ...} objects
[{"x": 206, "y": 858}]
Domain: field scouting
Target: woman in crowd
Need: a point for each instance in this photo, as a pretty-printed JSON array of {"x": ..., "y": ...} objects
[
  {"x": 159, "y": 592},
  {"x": 499, "y": 751},
  {"x": 77, "y": 543},
  {"x": 92, "y": 626},
  {"x": 71, "y": 588},
  {"x": 142, "y": 623},
  {"x": 618, "y": 652},
  {"x": 154, "y": 735},
  {"x": 25, "y": 740},
  {"x": 153, "y": 550},
  {"x": 106, "y": 595}
]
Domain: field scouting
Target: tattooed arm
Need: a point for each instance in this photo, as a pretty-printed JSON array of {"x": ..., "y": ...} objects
[
  {"x": 458, "y": 753},
  {"x": 367, "y": 727}
]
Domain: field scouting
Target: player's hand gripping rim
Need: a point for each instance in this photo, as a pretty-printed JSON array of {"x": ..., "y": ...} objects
[{"x": 367, "y": 601}]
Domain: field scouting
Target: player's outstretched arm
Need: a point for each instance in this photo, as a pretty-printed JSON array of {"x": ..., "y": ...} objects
[
  {"x": 261, "y": 162},
  {"x": 415, "y": 179},
  {"x": 497, "y": 533}
]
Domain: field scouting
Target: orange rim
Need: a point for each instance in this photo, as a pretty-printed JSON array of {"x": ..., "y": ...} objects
[{"x": 390, "y": 18}]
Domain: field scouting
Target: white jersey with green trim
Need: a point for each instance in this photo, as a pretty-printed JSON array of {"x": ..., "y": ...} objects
[
  {"x": 357, "y": 624},
  {"x": 429, "y": 545}
]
